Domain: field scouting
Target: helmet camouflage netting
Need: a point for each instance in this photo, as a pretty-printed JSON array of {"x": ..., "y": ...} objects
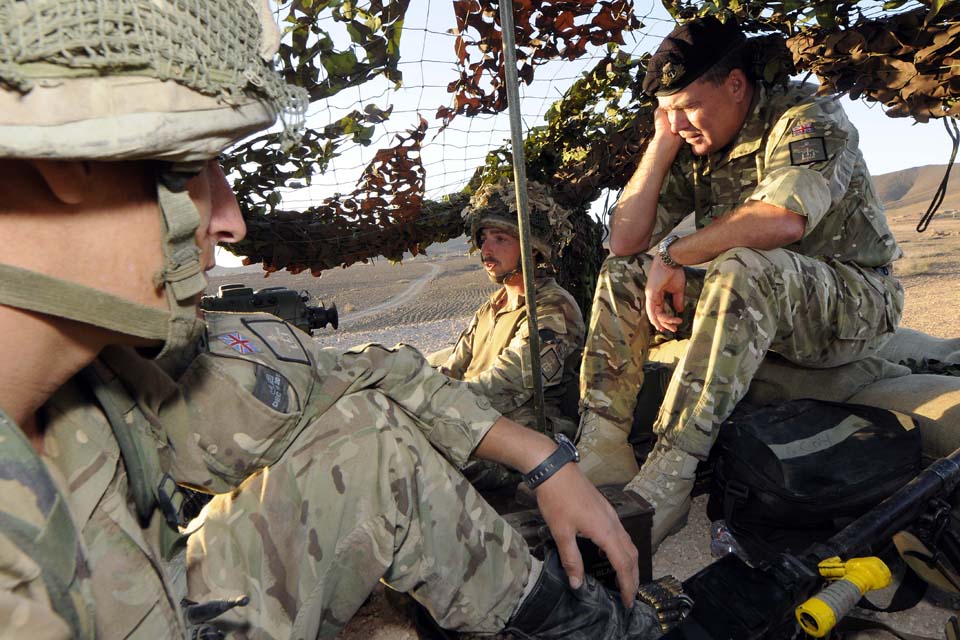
[
  {"x": 495, "y": 205},
  {"x": 125, "y": 79}
]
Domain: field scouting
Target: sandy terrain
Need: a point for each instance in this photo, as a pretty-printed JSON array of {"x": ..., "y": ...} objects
[{"x": 428, "y": 300}]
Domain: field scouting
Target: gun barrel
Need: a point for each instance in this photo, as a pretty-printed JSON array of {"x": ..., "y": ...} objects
[{"x": 894, "y": 513}]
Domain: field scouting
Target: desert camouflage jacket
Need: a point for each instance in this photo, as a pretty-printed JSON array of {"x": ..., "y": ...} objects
[
  {"x": 493, "y": 354},
  {"x": 796, "y": 151},
  {"x": 87, "y": 531}
]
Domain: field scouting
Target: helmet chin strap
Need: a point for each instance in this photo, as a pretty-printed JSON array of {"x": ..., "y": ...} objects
[{"x": 181, "y": 276}]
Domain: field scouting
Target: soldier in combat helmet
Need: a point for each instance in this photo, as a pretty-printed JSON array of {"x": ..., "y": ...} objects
[
  {"x": 336, "y": 467},
  {"x": 795, "y": 243},
  {"x": 492, "y": 355}
]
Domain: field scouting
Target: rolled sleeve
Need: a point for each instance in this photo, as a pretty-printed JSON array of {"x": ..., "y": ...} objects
[
  {"x": 803, "y": 191},
  {"x": 809, "y": 160}
]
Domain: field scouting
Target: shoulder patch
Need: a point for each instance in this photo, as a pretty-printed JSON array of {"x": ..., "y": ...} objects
[
  {"x": 550, "y": 363},
  {"x": 272, "y": 389},
  {"x": 802, "y": 129},
  {"x": 238, "y": 342},
  {"x": 280, "y": 339},
  {"x": 808, "y": 151}
]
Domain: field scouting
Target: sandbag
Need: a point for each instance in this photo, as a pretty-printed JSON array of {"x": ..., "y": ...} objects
[
  {"x": 907, "y": 344},
  {"x": 779, "y": 380},
  {"x": 934, "y": 401}
]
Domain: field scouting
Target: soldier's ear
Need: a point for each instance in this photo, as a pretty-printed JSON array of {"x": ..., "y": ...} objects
[
  {"x": 737, "y": 81},
  {"x": 70, "y": 181}
]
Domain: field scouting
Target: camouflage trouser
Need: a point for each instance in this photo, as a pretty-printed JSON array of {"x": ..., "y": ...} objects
[
  {"x": 812, "y": 312},
  {"x": 359, "y": 496}
]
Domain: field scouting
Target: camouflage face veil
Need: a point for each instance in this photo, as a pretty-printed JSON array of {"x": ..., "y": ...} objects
[{"x": 170, "y": 80}]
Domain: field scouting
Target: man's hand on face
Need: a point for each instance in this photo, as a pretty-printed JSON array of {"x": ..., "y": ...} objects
[
  {"x": 663, "y": 132},
  {"x": 663, "y": 281},
  {"x": 572, "y": 506}
]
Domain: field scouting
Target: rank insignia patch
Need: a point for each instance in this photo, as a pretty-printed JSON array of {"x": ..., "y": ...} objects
[
  {"x": 802, "y": 129},
  {"x": 238, "y": 343},
  {"x": 272, "y": 389},
  {"x": 280, "y": 339},
  {"x": 550, "y": 364},
  {"x": 808, "y": 151}
]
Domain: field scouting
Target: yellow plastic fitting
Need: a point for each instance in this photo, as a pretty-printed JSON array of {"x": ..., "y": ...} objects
[{"x": 853, "y": 578}]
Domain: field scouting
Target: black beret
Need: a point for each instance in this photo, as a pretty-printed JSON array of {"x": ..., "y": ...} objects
[{"x": 689, "y": 52}]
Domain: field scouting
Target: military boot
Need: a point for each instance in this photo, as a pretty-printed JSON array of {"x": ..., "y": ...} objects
[
  {"x": 665, "y": 481},
  {"x": 605, "y": 455},
  {"x": 554, "y": 610}
]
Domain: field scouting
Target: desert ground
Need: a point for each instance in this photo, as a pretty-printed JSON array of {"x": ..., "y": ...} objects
[{"x": 426, "y": 301}]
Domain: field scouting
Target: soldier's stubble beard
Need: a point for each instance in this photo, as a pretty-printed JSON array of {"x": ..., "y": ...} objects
[{"x": 502, "y": 277}]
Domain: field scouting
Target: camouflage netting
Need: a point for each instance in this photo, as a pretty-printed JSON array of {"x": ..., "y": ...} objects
[
  {"x": 45, "y": 40},
  {"x": 907, "y": 61},
  {"x": 904, "y": 55}
]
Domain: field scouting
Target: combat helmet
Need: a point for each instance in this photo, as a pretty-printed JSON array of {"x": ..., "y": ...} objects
[
  {"x": 494, "y": 205},
  {"x": 169, "y": 80}
]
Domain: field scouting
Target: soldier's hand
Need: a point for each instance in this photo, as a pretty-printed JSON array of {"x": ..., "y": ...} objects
[
  {"x": 663, "y": 132},
  {"x": 569, "y": 503},
  {"x": 572, "y": 506},
  {"x": 663, "y": 281}
]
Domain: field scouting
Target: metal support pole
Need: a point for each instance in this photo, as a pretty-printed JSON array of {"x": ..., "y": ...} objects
[{"x": 523, "y": 205}]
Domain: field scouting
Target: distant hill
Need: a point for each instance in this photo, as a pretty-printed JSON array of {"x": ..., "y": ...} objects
[{"x": 911, "y": 190}]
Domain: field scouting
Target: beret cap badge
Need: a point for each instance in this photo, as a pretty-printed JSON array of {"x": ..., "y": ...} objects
[
  {"x": 688, "y": 52},
  {"x": 670, "y": 72}
]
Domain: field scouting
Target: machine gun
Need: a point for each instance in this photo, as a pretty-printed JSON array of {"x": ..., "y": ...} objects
[
  {"x": 734, "y": 601},
  {"x": 284, "y": 303}
]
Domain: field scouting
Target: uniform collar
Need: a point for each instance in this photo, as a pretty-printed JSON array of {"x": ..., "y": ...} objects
[
  {"x": 750, "y": 136},
  {"x": 498, "y": 296}
]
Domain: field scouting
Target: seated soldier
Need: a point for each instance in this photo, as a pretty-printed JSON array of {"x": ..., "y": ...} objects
[
  {"x": 493, "y": 354},
  {"x": 795, "y": 243},
  {"x": 110, "y": 207}
]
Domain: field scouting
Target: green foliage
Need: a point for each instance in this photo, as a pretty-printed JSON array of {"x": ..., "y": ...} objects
[
  {"x": 905, "y": 60},
  {"x": 593, "y": 136}
]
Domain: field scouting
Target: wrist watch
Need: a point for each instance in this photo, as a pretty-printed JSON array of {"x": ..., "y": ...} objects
[
  {"x": 564, "y": 453},
  {"x": 663, "y": 250}
]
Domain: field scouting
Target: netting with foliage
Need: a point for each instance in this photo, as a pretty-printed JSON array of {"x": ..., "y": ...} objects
[{"x": 408, "y": 109}]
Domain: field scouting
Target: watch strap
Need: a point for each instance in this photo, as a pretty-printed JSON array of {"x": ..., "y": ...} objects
[
  {"x": 663, "y": 250},
  {"x": 564, "y": 453}
]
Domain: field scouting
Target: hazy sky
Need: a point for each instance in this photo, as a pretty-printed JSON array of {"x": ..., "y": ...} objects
[{"x": 449, "y": 157}]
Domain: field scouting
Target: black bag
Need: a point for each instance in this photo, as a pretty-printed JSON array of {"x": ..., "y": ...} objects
[{"x": 791, "y": 475}]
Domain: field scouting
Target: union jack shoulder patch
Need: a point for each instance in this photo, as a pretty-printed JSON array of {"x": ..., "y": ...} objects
[
  {"x": 802, "y": 129},
  {"x": 238, "y": 343}
]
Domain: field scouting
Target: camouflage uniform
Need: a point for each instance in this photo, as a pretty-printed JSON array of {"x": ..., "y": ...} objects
[
  {"x": 825, "y": 300},
  {"x": 493, "y": 355},
  {"x": 261, "y": 394}
]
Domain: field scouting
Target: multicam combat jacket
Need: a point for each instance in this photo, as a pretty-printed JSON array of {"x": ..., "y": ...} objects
[
  {"x": 796, "y": 151},
  {"x": 87, "y": 530},
  {"x": 493, "y": 355}
]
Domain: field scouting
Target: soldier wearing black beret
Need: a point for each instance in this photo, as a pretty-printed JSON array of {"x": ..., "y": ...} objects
[{"x": 792, "y": 235}]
